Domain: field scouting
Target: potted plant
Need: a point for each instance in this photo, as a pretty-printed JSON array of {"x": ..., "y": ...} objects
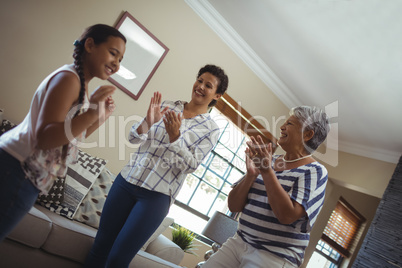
[{"x": 183, "y": 238}]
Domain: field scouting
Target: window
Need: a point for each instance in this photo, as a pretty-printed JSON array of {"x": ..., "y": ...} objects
[
  {"x": 324, "y": 256},
  {"x": 206, "y": 190},
  {"x": 339, "y": 236}
]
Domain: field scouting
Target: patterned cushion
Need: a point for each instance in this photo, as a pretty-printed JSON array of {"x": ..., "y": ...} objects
[
  {"x": 91, "y": 207},
  {"x": 6, "y": 126},
  {"x": 55, "y": 194},
  {"x": 78, "y": 181}
]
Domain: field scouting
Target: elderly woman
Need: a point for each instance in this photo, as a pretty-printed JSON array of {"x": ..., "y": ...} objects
[{"x": 279, "y": 197}]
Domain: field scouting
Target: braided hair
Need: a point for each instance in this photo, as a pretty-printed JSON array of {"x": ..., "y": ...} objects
[
  {"x": 99, "y": 33},
  {"x": 78, "y": 51}
]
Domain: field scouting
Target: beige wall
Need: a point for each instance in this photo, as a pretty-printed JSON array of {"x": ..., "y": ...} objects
[
  {"x": 37, "y": 37},
  {"x": 362, "y": 174}
]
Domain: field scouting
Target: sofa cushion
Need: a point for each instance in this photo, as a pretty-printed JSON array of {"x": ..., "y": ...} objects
[
  {"x": 33, "y": 229},
  {"x": 167, "y": 221},
  {"x": 16, "y": 255},
  {"x": 6, "y": 126},
  {"x": 146, "y": 260},
  {"x": 165, "y": 249},
  {"x": 68, "y": 238},
  {"x": 91, "y": 207},
  {"x": 79, "y": 179},
  {"x": 55, "y": 194}
]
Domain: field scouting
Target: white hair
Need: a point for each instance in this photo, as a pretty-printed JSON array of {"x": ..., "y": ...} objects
[{"x": 312, "y": 118}]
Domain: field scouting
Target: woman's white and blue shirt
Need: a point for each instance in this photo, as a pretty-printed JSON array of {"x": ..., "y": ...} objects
[
  {"x": 161, "y": 166},
  {"x": 258, "y": 225}
]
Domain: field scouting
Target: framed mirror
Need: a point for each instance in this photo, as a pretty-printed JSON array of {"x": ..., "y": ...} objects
[{"x": 144, "y": 53}]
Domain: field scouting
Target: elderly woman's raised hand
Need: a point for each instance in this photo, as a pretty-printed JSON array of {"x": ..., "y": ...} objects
[
  {"x": 251, "y": 168},
  {"x": 260, "y": 153}
]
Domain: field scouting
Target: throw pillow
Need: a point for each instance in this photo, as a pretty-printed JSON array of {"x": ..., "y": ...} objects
[
  {"x": 55, "y": 194},
  {"x": 91, "y": 207},
  {"x": 167, "y": 221},
  {"x": 6, "y": 126},
  {"x": 78, "y": 181}
]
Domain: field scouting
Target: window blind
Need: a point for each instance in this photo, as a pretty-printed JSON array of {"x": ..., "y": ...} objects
[{"x": 342, "y": 227}]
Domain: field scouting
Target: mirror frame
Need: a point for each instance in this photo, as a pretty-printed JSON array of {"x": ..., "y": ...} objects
[{"x": 135, "y": 91}]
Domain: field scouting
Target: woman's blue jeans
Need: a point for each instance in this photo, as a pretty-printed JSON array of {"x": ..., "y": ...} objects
[
  {"x": 17, "y": 194},
  {"x": 130, "y": 216}
]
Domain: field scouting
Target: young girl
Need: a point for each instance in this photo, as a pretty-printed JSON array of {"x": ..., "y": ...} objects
[
  {"x": 173, "y": 140},
  {"x": 39, "y": 149}
]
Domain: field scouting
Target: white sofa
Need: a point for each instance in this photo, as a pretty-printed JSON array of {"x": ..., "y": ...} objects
[{"x": 46, "y": 239}]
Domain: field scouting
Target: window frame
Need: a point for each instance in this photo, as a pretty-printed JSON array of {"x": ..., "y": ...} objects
[
  {"x": 346, "y": 211},
  {"x": 247, "y": 125},
  {"x": 334, "y": 262},
  {"x": 243, "y": 120}
]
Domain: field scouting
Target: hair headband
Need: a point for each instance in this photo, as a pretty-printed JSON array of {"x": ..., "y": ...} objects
[{"x": 78, "y": 43}]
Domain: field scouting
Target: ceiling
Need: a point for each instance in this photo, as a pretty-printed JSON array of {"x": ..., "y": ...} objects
[{"x": 342, "y": 55}]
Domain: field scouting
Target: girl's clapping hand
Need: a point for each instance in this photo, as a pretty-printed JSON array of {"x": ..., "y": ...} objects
[{"x": 102, "y": 103}]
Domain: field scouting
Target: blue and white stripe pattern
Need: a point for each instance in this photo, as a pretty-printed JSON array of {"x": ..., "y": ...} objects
[
  {"x": 161, "y": 166},
  {"x": 258, "y": 225}
]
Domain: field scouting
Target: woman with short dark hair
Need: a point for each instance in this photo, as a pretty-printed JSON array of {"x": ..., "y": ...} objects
[{"x": 173, "y": 139}]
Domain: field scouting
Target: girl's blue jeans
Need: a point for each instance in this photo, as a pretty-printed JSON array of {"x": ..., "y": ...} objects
[
  {"x": 130, "y": 216},
  {"x": 17, "y": 194}
]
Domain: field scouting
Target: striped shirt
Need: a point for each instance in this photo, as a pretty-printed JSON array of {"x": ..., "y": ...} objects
[
  {"x": 161, "y": 166},
  {"x": 258, "y": 225}
]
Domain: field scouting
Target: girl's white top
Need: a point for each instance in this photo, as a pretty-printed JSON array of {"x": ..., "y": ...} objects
[{"x": 40, "y": 166}]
